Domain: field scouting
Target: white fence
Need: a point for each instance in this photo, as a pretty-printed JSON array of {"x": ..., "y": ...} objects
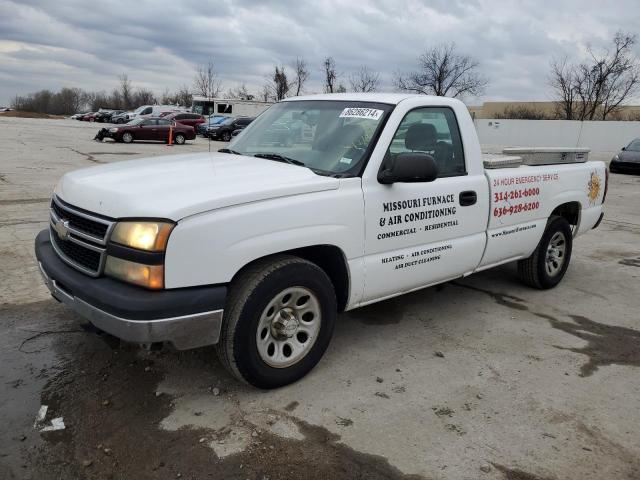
[{"x": 598, "y": 136}]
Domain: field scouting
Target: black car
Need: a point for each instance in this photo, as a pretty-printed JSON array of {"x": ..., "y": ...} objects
[
  {"x": 628, "y": 160},
  {"x": 224, "y": 130},
  {"x": 104, "y": 116}
]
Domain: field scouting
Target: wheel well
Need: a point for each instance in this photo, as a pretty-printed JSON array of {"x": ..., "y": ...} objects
[
  {"x": 330, "y": 259},
  {"x": 570, "y": 211}
]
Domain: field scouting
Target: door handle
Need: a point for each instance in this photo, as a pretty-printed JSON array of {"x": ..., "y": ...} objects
[{"x": 468, "y": 198}]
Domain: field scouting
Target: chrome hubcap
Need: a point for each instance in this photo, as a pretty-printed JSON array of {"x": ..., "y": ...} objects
[
  {"x": 288, "y": 327},
  {"x": 556, "y": 253}
]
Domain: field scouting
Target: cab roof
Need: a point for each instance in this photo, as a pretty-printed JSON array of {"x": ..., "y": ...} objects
[{"x": 389, "y": 98}]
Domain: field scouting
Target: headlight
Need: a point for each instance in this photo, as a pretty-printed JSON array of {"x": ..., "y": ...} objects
[
  {"x": 149, "y": 236},
  {"x": 113, "y": 130},
  {"x": 149, "y": 276}
]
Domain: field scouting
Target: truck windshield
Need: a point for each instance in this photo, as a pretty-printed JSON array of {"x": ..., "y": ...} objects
[{"x": 332, "y": 137}]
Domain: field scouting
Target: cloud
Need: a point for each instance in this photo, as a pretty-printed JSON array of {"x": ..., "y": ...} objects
[{"x": 46, "y": 44}]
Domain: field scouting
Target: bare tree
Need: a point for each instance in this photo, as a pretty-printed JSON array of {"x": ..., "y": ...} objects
[
  {"x": 125, "y": 91},
  {"x": 596, "y": 88},
  {"x": 301, "y": 73},
  {"x": 206, "y": 82},
  {"x": 265, "y": 93},
  {"x": 444, "y": 72},
  {"x": 330, "y": 75},
  {"x": 281, "y": 85},
  {"x": 364, "y": 80},
  {"x": 143, "y": 96},
  {"x": 562, "y": 81},
  {"x": 240, "y": 92}
]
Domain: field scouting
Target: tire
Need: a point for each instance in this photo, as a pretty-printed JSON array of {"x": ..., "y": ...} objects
[
  {"x": 127, "y": 137},
  {"x": 120, "y": 121},
  {"x": 92, "y": 120},
  {"x": 258, "y": 315},
  {"x": 226, "y": 136},
  {"x": 179, "y": 139},
  {"x": 546, "y": 267}
]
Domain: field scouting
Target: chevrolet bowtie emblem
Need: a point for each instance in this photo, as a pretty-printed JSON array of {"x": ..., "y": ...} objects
[{"x": 62, "y": 229}]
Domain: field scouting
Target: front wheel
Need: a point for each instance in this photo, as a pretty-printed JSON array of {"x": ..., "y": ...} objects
[
  {"x": 226, "y": 136},
  {"x": 127, "y": 137},
  {"x": 278, "y": 321},
  {"x": 546, "y": 267}
]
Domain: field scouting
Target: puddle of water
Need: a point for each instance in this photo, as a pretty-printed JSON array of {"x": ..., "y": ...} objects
[{"x": 607, "y": 344}]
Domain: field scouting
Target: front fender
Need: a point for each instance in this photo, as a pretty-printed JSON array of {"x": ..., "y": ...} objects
[{"x": 210, "y": 248}]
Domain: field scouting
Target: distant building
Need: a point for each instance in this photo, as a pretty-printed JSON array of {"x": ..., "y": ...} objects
[{"x": 544, "y": 110}]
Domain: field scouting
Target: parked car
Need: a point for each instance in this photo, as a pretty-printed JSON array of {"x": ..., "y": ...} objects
[
  {"x": 153, "y": 128},
  {"x": 258, "y": 247},
  {"x": 103, "y": 116},
  {"x": 191, "y": 119},
  {"x": 171, "y": 112},
  {"x": 89, "y": 117},
  {"x": 120, "y": 118},
  {"x": 107, "y": 116},
  {"x": 78, "y": 116},
  {"x": 145, "y": 111},
  {"x": 628, "y": 160},
  {"x": 225, "y": 129},
  {"x": 209, "y": 121}
]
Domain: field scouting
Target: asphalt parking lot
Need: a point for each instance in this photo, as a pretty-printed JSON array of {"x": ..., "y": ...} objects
[{"x": 481, "y": 378}]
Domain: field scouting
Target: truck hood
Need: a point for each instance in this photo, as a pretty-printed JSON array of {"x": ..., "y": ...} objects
[{"x": 178, "y": 186}]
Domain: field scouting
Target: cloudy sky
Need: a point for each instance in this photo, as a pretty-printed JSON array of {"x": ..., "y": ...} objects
[{"x": 80, "y": 43}]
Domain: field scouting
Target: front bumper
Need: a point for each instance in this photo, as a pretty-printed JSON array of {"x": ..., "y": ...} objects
[{"x": 186, "y": 317}]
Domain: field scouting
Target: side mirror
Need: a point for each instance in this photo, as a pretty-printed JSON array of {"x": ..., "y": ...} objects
[
  {"x": 410, "y": 167},
  {"x": 624, "y": 148}
]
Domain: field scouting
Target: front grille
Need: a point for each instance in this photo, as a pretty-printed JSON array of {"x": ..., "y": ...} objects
[
  {"x": 81, "y": 222},
  {"x": 79, "y": 237},
  {"x": 78, "y": 254}
]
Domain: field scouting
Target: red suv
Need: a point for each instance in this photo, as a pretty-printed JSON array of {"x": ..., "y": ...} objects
[{"x": 191, "y": 119}]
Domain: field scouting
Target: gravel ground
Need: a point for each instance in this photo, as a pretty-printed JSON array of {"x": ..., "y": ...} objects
[{"x": 480, "y": 378}]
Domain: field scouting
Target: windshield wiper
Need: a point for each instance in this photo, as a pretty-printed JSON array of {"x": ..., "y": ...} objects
[
  {"x": 228, "y": 150},
  {"x": 279, "y": 158}
]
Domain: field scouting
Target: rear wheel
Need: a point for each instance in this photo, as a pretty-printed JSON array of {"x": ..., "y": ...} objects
[
  {"x": 546, "y": 267},
  {"x": 127, "y": 137},
  {"x": 278, "y": 321},
  {"x": 226, "y": 136},
  {"x": 179, "y": 139}
]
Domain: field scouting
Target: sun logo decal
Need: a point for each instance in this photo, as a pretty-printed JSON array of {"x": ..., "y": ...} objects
[{"x": 593, "y": 187}]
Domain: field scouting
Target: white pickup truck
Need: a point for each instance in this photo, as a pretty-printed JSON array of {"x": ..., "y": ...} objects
[{"x": 323, "y": 204}]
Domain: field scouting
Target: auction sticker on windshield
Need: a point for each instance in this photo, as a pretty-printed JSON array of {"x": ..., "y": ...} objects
[{"x": 370, "y": 113}]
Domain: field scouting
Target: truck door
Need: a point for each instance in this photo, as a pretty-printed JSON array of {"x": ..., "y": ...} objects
[{"x": 422, "y": 233}]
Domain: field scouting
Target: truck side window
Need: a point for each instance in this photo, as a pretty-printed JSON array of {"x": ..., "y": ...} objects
[{"x": 433, "y": 130}]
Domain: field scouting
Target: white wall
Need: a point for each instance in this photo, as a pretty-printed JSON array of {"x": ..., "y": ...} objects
[{"x": 598, "y": 136}]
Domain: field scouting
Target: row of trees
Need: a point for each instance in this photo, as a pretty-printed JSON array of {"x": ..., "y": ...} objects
[
  {"x": 72, "y": 100},
  {"x": 596, "y": 87},
  {"x": 593, "y": 89}
]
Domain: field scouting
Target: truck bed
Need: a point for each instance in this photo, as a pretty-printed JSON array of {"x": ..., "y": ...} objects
[{"x": 522, "y": 199}]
